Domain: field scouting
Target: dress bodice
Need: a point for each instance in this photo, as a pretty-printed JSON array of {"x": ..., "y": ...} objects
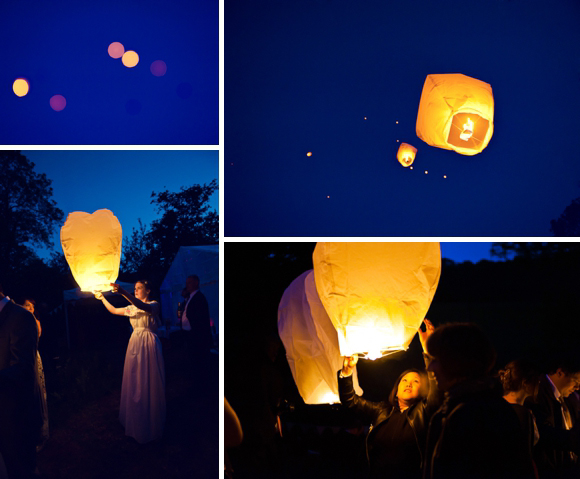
[{"x": 143, "y": 320}]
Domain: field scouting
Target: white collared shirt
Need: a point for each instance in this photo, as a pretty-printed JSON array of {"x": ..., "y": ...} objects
[
  {"x": 5, "y": 300},
  {"x": 184, "y": 321}
]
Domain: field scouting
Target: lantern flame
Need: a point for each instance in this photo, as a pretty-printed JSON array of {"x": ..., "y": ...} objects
[{"x": 467, "y": 130}]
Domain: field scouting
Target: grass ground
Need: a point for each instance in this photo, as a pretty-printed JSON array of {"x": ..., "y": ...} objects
[{"x": 87, "y": 441}]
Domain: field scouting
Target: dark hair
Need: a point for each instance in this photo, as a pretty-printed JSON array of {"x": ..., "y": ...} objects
[
  {"x": 463, "y": 350},
  {"x": 147, "y": 286},
  {"x": 423, "y": 387},
  {"x": 194, "y": 277},
  {"x": 518, "y": 372},
  {"x": 568, "y": 364}
]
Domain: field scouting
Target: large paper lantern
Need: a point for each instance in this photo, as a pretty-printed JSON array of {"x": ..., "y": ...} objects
[
  {"x": 456, "y": 113},
  {"x": 376, "y": 294},
  {"x": 311, "y": 342},
  {"x": 92, "y": 247},
  {"x": 406, "y": 154}
]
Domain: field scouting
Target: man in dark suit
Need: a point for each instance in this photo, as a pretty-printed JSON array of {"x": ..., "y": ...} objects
[
  {"x": 195, "y": 320},
  {"x": 556, "y": 454},
  {"x": 18, "y": 418}
]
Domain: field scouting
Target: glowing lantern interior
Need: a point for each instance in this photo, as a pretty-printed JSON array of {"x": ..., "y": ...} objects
[
  {"x": 311, "y": 342},
  {"x": 376, "y": 294},
  {"x": 92, "y": 247},
  {"x": 406, "y": 154},
  {"x": 456, "y": 113}
]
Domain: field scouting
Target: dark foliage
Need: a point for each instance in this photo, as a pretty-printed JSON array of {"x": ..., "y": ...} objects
[{"x": 568, "y": 224}]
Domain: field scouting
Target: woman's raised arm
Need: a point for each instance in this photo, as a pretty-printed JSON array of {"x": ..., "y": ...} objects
[{"x": 109, "y": 306}]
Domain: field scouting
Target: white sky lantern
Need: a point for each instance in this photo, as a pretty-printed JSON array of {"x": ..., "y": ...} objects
[
  {"x": 92, "y": 247},
  {"x": 376, "y": 294},
  {"x": 311, "y": 342}
]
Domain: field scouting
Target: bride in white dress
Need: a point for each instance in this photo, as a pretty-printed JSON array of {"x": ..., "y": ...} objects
[{"x": 142, "y": 410}]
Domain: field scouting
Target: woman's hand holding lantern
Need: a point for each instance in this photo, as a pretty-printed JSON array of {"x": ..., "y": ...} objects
[
  {"x": 348, "y": 365},
  {"x": 424, "y": 335}
]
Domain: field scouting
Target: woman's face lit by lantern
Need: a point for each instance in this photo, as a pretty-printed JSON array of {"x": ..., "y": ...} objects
[
  {"x": 409, "y": 387},
  {"x": 141, "y": 291},
  {"x": 28, "y": 306}
]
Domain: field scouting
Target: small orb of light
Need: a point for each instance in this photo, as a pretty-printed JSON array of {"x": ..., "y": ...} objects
[
  {"x": 426, "y": 172},
  {"x": 20, "y": 87},
  {"x": 328, "y": 196},
  {"x": 158, "y": 68},
  {"x": 309, "y": 153},
  {"x": 397, "y": 122},
  {"x": 410, "y": 167},
  {"x": 365, "y": 117},
  {"x": 116, "y": 50},
  {"x": 397, "y": 141},
  {"x": 130, "y": 59},
  {"x": 57, "y": 102}
]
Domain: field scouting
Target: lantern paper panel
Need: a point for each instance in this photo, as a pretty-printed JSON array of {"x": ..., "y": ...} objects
[
  {"x": 376, "y": 294},
  {"x": 406, "y": 154},
  {"x": 311, "y": 342},
  {"x": 92, "y": 247},
  {"x": 456, "y": 113}
]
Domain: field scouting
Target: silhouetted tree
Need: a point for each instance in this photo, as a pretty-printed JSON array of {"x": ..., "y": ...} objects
[
  {"x": 27, "y": 211},
  {"x": 568, "y": 224},
  {"x": 531, "y": 250},
  {"x": 186, "y": 220}
]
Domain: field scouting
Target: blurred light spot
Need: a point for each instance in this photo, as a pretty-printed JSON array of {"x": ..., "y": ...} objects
[
  {"x": 426, "y": 172},
  {"x": 20, "y": 87},
  {"x": 116, "y": 50},
  {"x": 397, "y": 122},
  {"x": 410, "y": 167},
  {"x": 309, "y": 153},
  {"x": 231, "y": 164},
  {"x": 365, "y": 117},
  {"x": 444, "y": 176},
  {"x": 328, "y": 196},
  {"x": 158, "y": 68},
  {"x": 397, "y": 141},
  {"x": 57, "y": 102},
  {"x": 133, "y": 107},
  {"x": 184, "y": 90},
  {"x": 130, "y": 59}
]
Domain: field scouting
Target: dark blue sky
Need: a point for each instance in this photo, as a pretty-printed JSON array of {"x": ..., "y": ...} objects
[
  {"x": 61, "y": 48},
  {"x": 301, "y": 76},
  {"x": 121, "y": 181}
]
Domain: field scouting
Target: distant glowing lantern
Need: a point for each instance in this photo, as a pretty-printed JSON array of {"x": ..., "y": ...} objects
[
  {"x": 57, "y": 102},
  {"x": 130, "y": 59},
  {"x": 311, "y": 342},
  {"x": 20, "y": 87},
  {"x": 456, "y": 113},
  {"x": 309, "y": 153},
  {"x": 116, "y": 50},
  {"x": 92, "y": 247},
  {"x": 406, "y": 154},
  {"x": 376, "y": 294}
]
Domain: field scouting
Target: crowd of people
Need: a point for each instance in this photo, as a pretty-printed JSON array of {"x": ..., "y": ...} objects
[
  {"x": 23, "y": 405},
  {"x": 464, "y": 422}
]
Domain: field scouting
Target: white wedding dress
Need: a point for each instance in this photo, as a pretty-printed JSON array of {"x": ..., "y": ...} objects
[{"x": 142, "y": 411}]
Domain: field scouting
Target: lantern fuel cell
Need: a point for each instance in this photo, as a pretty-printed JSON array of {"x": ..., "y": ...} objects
[
  {"x": 376, "y": 294},
  {"x": 92, "y": 247},
  {"x": 456, "y": 113}
]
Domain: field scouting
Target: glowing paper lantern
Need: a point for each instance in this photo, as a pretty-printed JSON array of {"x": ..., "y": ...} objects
[
  {"x": 376, "y": 294},
  {"x": 311, "y": 342},
  {"x": 406, "y": 154},
  {"x": 20, "y": 87},
  {"x": 92, "y": 247},
  {"x": 130, "y": 59},
  {"x": 456, "y": 113},
  {"x": 158, "y": 68}
]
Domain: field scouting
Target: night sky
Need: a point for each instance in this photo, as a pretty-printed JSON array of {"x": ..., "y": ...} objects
[
  {"x": 61, "y": 48},
  {"x": 121, "y": 181},
  {"x": 302, "y": 76}
]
